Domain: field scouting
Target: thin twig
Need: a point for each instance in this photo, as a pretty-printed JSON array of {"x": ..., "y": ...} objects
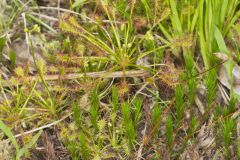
[
  {"x": 44, "y": 16},
  {"x": 43, "y": 127},
  {"x": 103, "y": 74},
  {"x": 71, "y": 76},
  {"x": 139, "y": 153}
]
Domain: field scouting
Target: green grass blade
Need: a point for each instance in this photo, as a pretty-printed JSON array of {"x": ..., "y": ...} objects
[
  {"x": 6, "y": 130},
  {"x": 231, "y": 23},
  {"x": 220, "y": 40},
  {"x": 2, "y": 45},
  {"x": 175, "y": 18},
  {"x": 33, "y": 141},
  {"x": 223, "y": 12},
  {"x": 147, "y": 8},
  {"x": 203, "y": 44}
]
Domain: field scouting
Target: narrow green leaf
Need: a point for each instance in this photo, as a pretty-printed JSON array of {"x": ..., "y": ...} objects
[
  {"x": 194, "y": 20},
  {"x": 147, "y": 8},
  {"x": 220, "y": 40},
  {"x": 175, "y": 18},
  {"x": 12, "y": 57},
  {"x": 6, "y": 130},
  {"x": 78, "y": 4},
  {"x": 33, "y": 141},
  {"x": 224, "y": 8},
  {"x": 203, "y": 44},
  {"x": 2, "y": 44}
]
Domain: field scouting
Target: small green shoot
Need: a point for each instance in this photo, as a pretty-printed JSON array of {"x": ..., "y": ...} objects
[
  {"x": 128, "y": 123},
  {"x": 227, "y": 130},
  {"x": 94, "y": 108},
  {"x": 19, "y": 151},
  {"x": 169, "y": 132}
]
